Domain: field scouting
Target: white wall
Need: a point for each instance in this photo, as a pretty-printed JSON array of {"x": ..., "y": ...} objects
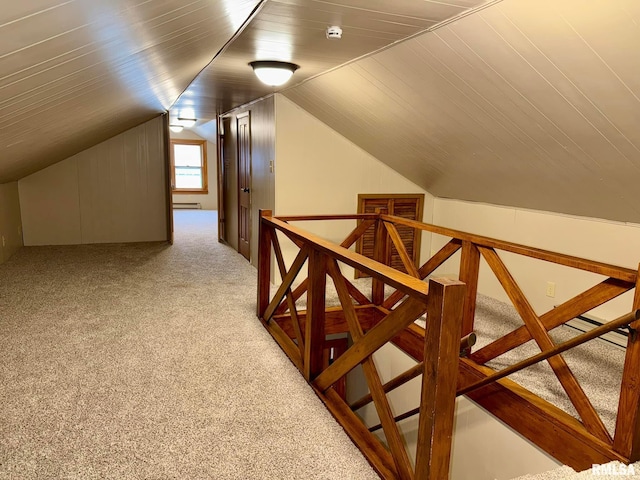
[
  {"x": 601, "y": 240},
  {"x": 318, "y": 171},
  {"x": 208, "y": 201},
  {"x": 10, "y": 221},
  {"x": 113, "y": 192}
]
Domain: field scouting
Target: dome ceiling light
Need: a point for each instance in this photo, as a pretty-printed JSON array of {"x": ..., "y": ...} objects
[
  {"x": 273, "y": 73},
  {"x": 186, "y": 122}
]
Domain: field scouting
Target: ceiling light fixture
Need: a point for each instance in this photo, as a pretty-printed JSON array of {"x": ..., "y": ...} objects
[
  {"x": 186, "y": 122},
  {"x": 176, "y": 128},
  {"x": 273, "y": 73}
]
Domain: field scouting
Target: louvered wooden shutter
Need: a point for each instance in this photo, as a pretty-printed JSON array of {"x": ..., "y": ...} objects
[
  {"x": 402, "y": 205},
  {"x": 365, "y": 246}
]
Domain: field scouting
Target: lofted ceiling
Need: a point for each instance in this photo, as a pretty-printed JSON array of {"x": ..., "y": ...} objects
[
  {"x": 526, "y": 103},
  {"x": 76, "y": 72},
  {"x": 295, "y": 31}
]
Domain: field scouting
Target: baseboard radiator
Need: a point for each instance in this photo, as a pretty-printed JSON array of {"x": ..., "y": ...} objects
[{"x": 187, "y": 206}]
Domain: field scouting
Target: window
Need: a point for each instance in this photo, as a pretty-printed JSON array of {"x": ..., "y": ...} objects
[{"x": 189, "y": 166}]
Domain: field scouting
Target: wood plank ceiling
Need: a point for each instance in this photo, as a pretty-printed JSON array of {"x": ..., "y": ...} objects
[
  {"x": 76, "y": 72},
  {"x": 295, "y": 31},
  {"x": 527, "y": 103}
]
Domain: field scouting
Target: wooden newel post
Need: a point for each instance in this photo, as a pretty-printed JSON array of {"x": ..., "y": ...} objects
[
  {"x": 380, "y": 254},
  {"x": 437, "y": 402},
  {"x": 469, "y": 273},
  {"x": 264, "y": 263},
  {"x": 627, "y": 436},
  {"x": 314, "y": 335}
]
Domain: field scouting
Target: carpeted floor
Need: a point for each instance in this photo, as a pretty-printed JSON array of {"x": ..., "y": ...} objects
[{"x": 146, "y": 361}]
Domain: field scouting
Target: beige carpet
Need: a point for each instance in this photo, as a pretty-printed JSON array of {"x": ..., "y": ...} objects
[{"x": 147, "y": 361}]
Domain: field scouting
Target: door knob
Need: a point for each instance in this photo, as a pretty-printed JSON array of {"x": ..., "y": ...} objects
[{"x": 245, "y": 190}]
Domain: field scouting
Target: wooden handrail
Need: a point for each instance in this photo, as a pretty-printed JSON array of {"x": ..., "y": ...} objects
[
  {"x": 406, "y": 283},
  {"x": 613, "y": 271},
  {"x": 605, "y": 269},
  {"x": 304, "y": 218},
  {"x": 386, "y": 319},
  {"x": 601, "y": 268},
  {"x": 563, "y": 347}
]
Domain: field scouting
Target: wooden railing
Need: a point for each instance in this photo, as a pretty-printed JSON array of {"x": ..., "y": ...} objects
[
  {"x": 302, "y": 335},
  {"x": 578, "y": 443}
]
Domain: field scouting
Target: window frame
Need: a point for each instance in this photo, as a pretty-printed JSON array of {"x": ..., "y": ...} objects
[{"x": 205, "y": 180}]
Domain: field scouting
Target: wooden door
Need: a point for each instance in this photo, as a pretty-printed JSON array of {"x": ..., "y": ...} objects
[
  {"x": 169, "y": 172},
  {"x": 224, "y": 160},
  {"x": 244, "y": 185}
]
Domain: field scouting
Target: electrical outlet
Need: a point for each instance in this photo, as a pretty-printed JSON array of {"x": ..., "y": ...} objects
[
  {"x": 551, "y": 289},
  {"x": 3, "y": 242},
  {"x": 271, "y": 166}
]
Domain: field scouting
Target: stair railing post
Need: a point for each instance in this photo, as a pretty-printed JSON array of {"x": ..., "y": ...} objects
[
  {"x": 264, "y": 263},
  {"x": 469, "y": 274},
  {"x": 380, "y": 254},
  {"x": 626, "y": 440},
  {"x": 314, "y": 334},
  {"x": 439, "y": 379}
]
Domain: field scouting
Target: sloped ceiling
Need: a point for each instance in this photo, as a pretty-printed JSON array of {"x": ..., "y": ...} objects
[
  {"x": 526, "y": 103},
  {"x": 295, "y": 31},
  {"x": 76, "y": 72}
]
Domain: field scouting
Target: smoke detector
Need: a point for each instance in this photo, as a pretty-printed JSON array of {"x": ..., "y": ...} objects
[{"x": 334, "y": 33}]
